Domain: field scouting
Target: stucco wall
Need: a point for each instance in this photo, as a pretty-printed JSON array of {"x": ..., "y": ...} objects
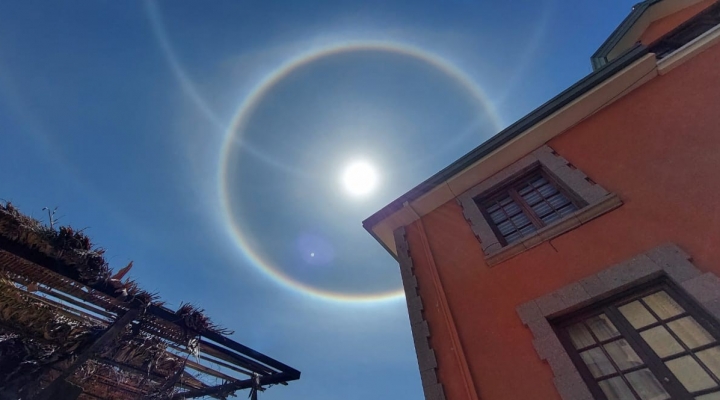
[{"x": 658, "y": 148}]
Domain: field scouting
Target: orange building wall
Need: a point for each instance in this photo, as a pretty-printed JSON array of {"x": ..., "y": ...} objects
[
  {"x": 662, "y": 26},
  {"x": 658, "y": 148}
]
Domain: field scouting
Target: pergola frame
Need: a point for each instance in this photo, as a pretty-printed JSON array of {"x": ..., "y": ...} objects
[{"x": 53, "y": 283}]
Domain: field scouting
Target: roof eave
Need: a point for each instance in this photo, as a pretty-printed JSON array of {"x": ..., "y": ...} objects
[
  {"x": 599, "y": 58},
  {"x": 536, "y": 116}
]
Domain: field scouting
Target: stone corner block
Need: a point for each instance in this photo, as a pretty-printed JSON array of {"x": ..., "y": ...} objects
[
  {"x": 548, "y": 346},
  {"x": 703, "y": 288},
  {"x": 426, "y": 359},
  {"x": 572, "y": 387},
  {"x": 561, "y": 364},
  {"x": 713, "y": 307},
  {"x": 434, "y": 392},
  {"x": 674, "y": 261},
  {"x": 540, "y": 328},
  {"x": 574, "y": 294},
  {"x": 420, "y": 330},
  {"x": 529, "y": 312},
  {"x": 550, "y": 304},
  {"x": 635, "y": 269},
  {"x": 594, "y": 286},
  {"x": 428, "y": 377}
]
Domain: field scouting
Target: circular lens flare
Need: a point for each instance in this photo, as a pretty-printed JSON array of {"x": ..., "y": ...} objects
[{"x": 360, "y": 178}]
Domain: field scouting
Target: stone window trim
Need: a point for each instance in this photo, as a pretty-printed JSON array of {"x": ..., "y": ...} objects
[
  {"x": 427, "y": 362},
  {"x": 595, "y": 198},
  {"x": 667, "y": 261}
]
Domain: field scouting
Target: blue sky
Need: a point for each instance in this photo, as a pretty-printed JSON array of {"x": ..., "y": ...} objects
[{"x": 116, "y": 112}]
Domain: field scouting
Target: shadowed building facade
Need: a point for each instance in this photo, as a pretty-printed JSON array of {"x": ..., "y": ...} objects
[{"x": 575, "y": 254}]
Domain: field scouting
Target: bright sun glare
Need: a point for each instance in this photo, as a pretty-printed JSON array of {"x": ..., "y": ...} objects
[{"x": 359, "y": 178}]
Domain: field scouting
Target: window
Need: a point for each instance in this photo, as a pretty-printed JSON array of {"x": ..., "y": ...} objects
[
  {"x": 530, "y": 203},
  {"x": 534, "y": 199},
  {"x": 652, "y": 345}
]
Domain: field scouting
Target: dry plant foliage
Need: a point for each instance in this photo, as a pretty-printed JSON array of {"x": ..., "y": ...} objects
[{"x": 38, "y": 340}]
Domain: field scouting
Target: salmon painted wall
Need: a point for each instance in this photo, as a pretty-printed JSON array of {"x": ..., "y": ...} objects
[
  {"x": 658, "y": 148},
  {"x": 664, "y": 25}
]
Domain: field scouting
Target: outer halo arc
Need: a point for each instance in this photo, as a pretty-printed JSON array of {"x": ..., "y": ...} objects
[{"x": 245, "y": 111}]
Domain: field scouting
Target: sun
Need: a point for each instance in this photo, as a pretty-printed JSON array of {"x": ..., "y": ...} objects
[{"x": 359, "y": 178}]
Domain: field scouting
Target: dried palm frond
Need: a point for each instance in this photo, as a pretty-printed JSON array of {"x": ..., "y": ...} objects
[
  {"x": 194, "y": 318},
  {"x": 40, "y": 338}
]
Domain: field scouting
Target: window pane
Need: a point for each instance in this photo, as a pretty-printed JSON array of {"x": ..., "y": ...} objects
[
  {"x": 528, "y": 229},
  {"x": 547, "y": 190},
  {"x": 505, "y": 200},
  {"x": 646, "y": 385},
  {"x": 512, "y": 209},
  {"x": 512, "y": 237},
  {"x": 597, "y": 363},
  {"x": 520, "y": 220},
  {"x": 532, "y": 198},
  {"x": 602, "y": 327},
  {"x": 525, "y": 190},
  {"x": 623, "y": 355},
  {"x": 637, "y": 314},
  {"x": 539, "y": 181},
  {"x": 690, "y": 374},
  {"x": 558, "y": 201},
  {"x": 493, "y": 208},
  {"x": 580, "y": 336},
  {"x": 550, "y": 218},
  {"x": 690, "y": 332},
  {"x": 711, "y": 359},
  {"x": 663, "y": 305},
  {"x": 711, "y": 396},
  {"x": 542, "y": 209},
  {"x": 661, "y": 341},
  {"x": 497, "y": 216},
  {"x": 506, "y": 227},
  {"x": 568, "y": 209},
  {"x": 616, "y": 389}
]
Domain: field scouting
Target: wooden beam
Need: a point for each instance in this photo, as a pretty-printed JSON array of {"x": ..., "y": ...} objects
[
  {"x": 110, "y": 334},
  {"x": 62, "y": 296},
  {"x": 230, "y": 356},
  {"x": 230, "y": 344},
  {"x": 211, "y": 359},
  {"x": 141, "y": 372}
]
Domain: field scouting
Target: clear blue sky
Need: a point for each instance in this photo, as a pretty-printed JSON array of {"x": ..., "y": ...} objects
[{"x": 116, "y": 112}]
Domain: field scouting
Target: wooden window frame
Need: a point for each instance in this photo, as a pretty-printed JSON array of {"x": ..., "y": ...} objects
[
  {"x": 593, "y": 200},
  {"x": 653, "y": 362},
  {"x": 668, "y": 261},
  {"x": 511, "y": 188}
]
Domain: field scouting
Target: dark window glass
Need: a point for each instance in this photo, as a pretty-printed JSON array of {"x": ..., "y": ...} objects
[{"x": 527, "y": 205}]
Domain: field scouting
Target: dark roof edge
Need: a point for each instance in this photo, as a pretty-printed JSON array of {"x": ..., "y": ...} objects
[
  {"x": 599, "y": 58},
  {"x": 568, "y": 95}
]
